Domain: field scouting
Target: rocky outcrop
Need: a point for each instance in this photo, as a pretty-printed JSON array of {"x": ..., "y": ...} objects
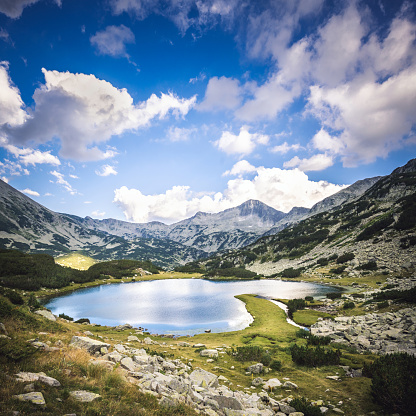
[
  {"x": 378, "y": 333},
  {"x": 46, "y": 314},
  {"x": 84, "y": 396},
  {"x": 89, "y": 344}
]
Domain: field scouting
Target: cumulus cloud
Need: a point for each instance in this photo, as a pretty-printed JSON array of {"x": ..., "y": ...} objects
[
  {"x": 112, "y": 41},
  {"x": 97, "y": 213},
  {"x": 240, "y": 168},
  {"x": 62, "y": 181},
  {"x": 285, "y": 147},
  {"x": 14, "y": 8},
  {"x": 11, "y": 104},
  {"x": 177, "y": 134},
  {"x": 28, "y": 191},
  {"x": 242, "y": 144},
  {"x": 221, "y": 94},
  {"x": 279, "y": 188},
  {"x": 315, "y": 162},
  {"x": 106, "y": 170},
  {"x": 84, "y": 112}
]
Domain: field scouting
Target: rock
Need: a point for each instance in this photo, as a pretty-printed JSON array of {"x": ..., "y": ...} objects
[
  {"x": 209, "y": 353},
  {"x": 184, "y": 344},
  {"x": 148, "y": 341},
  {"x": 123, "y": 327},
  {"x": 128, "y": 364},
  {"x": 285, "y": 408},
  {"x": 296, "y": 414},
  {"x": 228, "y": 402},
  {"x": 34, "y": 397},
  {"x": 290, "y": 385},
  {"x": 46, "y": 314},
  {"x": 258, "y": 381},
  {"x": 198, "y": 346},
  {"x": 109, "y": 365},
  {"x": 91, "y": 345},
  {"x": 84, "y": 396},
  {"x": 88, "y": 333},
  {"x": 336, "y": 378},
  {"x": 271, "y": 384},
  {"x": 255, "y": 368},
  {"x": 132, "y": 338},
  {"x": 29, "y": 388},
  {"x": 41, "y": 377},
  {"x": 3, "y": 329},
  {"x": 203, "y": 378}
]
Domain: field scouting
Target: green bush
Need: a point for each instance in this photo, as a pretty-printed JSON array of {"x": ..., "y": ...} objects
[
  {"x": 63, "y": 316},
  {"x": 314, "y": 357},
  {"x": 309, "y": 298},
  {"x": 348, "y": 305},
  {"x": 276, "y": 365},
  {"x": 291, "y": 273},
  {"x": 338, "y": 270},
  {"x": 334, "y": 295},
  {"x": 401, "y": 295},
  {"x": 371, "y": 265},
  {"x": 301, "y": 404},
  {"x": 294, "y": 305},
  {"x": 374, "y": 228},
  {"x": 315, "y": 340},
  {"x": 252, "y": 353},
  {"x": 14, "y": 297},
  {"x": 345, "y": 257},
  {"x": 82, "y": 321},
  {"x": 394, "y": 383},
  {"x": 33, "y": 303}
]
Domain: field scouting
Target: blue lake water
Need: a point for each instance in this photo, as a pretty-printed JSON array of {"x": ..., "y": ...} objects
[{"x": 177, "y": 306}]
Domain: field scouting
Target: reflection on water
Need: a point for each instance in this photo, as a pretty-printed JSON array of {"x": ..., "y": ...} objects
[{"x": 177, "y": 306}]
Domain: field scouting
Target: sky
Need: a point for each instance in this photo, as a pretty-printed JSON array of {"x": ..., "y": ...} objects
[{"x": 145, "y": 110}]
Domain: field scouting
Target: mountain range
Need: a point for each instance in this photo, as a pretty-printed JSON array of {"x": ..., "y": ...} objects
[{"x": 31, "y": 227}]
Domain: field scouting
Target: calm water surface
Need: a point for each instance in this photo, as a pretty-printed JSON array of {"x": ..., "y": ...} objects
[{"x": 177, "y": 306}]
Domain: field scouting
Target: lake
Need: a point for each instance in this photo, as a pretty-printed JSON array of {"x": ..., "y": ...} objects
[{"x": 177, "y": 306}]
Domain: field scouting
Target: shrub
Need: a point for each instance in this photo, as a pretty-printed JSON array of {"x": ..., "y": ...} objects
[
  {"x": 403, "y": 295},
  {"x": 294, "y": 305},
  {"x": 374, "y": 228},
  {"x": 333, "y": 295},
  {"x": 394, "y": 382},
  {"x": 82, "y": 321},
  {"x": 315, "y": 340},
  {"x": 252, "y": 353},
  {"x": 291, "y": 273},
  {"x": 322, "y": 261},
  {"x": 14, "y": 297},
  {"x": 314, "y": 357},
  {"x": 33, "y": 303},
  {"x": 371, "y": 265},
  {"x": 309, "y": 298},
  {"x": 276, "y": 365},
  {"x": 345, "y": 257},
  {"x": 338, "y": 270},
  {"x": 68, "y": 318},
  {"x": 348, "y": 305},
  {"x": 302, "y": 405}
]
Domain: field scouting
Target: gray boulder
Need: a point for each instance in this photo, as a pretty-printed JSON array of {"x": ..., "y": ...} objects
[
  {"x": 46, "y": 314},
  {"x": 228, "y": 402},
  {"x": 84, "y": 396},
  {"x": 255, "y": 368},
  {"x": 91, "y": 345},
  {"x": 34, "y": 397},
  {"x": 202, "y": 378},
  {"x": 209, "y": 353}
]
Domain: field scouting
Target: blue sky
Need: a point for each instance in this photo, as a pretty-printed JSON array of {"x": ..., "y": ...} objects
[{"x": 154, "y": 110}]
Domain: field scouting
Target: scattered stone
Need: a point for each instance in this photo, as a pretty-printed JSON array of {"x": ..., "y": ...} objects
[
  {"x": 132, "y": 338},
  {"x": 46, "y": 314},
  {"x": 91, "y": 345},
  {"x": 3, "y": 329},
  {"x": 209, "y": 353},
  {"x": 123, "y": 327},
  {"x": 290, "y": 385},
  {"x": 88, "y": 333},
  {"x": 255, "y": 368},
  {"x": 148, "y": 341},
  {"x": 336, "y": 378},
  {"x": 84, "y": 396},
  {"x": 271, "y": 384},
  {"x": 184, "y": 344},
  {"x": 199, "y": 346},
  {"x": 203, "y": 378},
  {"x": 35, "y": 397},
  {"x": 41, "y": 377},
  {"x": 258, "y": 381},
  {"x": 29, "y": 388}
]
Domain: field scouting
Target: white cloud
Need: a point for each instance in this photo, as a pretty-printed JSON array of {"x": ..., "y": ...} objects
[
  {"x": 87, "y": 202},
  {"x": 240, "y": 168},
  {"x": 316, "y": 162},
  {"x": 4, "y": 179},
  {"x": 83, "y": 112},
  {"x": 61, "y": 181},
  {"x": 243, "y": 144},
  {"x": 325, "y": 142},
  {"x": 74, "y": 176},
  {"x": 106, "y": 170},
  {"x": 14, "y": 8},
  {"x": 11, "y": 104},
  {"x": 112, "y": 41},
  {"x": 99, "y": 214},
  {"x": 285, "y": 147},
  {"x": 177, "y": 134},
  {"x": 279, "y": 188},
  {"x": 28, "y": 191},
  {"x": 221, "y": 94}
]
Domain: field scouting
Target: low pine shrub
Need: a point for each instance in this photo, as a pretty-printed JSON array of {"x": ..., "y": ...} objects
[
  {"x": 314, "y": 357},
  {"x": 276, "y": 365},
  {"x": 348, "y": 305},
  {"x": 333, "y": 295},
  {"x": 345, "y": 257},
  {"x": 301, "y": 404},
  {"x": 252, "y": 353},
  {"x": 315, "y": 340},
  {"x": 394, "y": 382}
]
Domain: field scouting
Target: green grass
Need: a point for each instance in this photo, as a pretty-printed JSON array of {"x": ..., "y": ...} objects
[
  {"x": 75, "y": 261},
  {"x": 308, "y": 317}
]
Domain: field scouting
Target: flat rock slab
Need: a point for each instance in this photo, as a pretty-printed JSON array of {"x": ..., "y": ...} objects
[
  {"x": 209, "y": 353},
  {"x": 26, "y": 377},
  {"x": 46, "y": 314},
  {"x": 91, "y": 345},
  {"x": 202, "y": 378},
  {"x": 84, "y": 396},
  {"x": 34, "y": 397}
]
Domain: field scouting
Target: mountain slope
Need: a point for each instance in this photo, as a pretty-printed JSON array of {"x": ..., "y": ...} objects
[
  {"x": 29, "y": 226},
  {"x": 378, "y": 227},
  {"x": 232, "y": 228}
]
